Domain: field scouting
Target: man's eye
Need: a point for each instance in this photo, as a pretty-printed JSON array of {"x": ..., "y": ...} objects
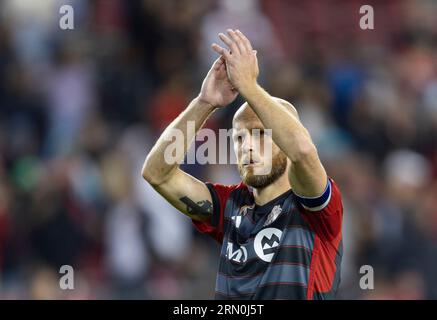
[
  {"x": 237, "y": 138},
  {"x": 259, "y": 132}
]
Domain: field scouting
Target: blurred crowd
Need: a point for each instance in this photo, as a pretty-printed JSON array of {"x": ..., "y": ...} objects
[{"x": 80, "y": 109}]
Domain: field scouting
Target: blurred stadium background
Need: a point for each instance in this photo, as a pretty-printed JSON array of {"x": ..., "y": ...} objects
[{"x": 79, "y": 110}]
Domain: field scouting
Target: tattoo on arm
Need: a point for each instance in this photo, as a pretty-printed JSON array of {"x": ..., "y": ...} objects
[{"x": 199, "y": 208}]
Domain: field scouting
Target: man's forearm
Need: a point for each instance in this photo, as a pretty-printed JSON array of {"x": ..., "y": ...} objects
[
  {"x": 287, "y": 131},
  {"x": 156, "y": 169}
]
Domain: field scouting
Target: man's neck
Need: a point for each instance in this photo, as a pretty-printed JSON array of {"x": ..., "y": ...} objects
[{"x": 273, "y": 190}]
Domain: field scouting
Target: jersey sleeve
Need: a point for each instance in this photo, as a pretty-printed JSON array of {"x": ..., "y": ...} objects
[
  {"x": 215, "y": 227},
  {"x": 324, "y": 213}
]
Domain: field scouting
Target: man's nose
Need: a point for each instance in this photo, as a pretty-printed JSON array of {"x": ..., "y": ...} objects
[{"x": 247, "y": 146}]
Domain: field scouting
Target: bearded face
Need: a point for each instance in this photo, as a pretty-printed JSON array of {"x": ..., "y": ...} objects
[
  {"x": 260, "y": 161},
  {"x": 251, "y": 178},
  {"x": 258, "y": 164}
]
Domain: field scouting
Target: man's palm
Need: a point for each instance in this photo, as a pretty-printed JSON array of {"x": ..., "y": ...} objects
[{"x": 216, "y": 88}]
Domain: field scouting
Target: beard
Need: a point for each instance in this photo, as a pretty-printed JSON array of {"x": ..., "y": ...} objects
[{"x": 279, "y": 165}]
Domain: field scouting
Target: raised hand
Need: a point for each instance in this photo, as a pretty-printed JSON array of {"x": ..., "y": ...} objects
[
  {"x": 216, "y": 89},
  {"x": 241, "y": 60}
]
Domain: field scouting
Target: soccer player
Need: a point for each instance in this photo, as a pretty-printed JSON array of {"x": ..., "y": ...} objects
[{"x": 280, "y": 232}]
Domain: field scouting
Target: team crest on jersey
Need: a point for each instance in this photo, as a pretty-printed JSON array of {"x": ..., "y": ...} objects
[
  {"x": 266, "y": 242},
  {"x": 273, "y": 215}
]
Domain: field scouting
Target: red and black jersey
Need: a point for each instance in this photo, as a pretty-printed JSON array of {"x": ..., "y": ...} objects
[{"x": 289, "y": 248}]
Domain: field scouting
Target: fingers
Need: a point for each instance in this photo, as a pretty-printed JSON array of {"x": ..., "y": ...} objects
[
  {"x": 237, "y": 41},
  {"x": 222, "y": 69},
  {"x": 217, "y": 63},
  {"x": 245, "y": 41},
  {"x": 221, "y": 51},
  {"x": 230, "y": 43}
]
